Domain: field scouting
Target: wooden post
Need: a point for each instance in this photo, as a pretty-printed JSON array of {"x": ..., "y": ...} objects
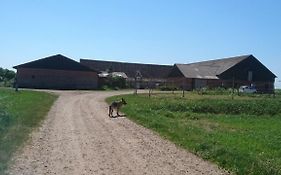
[
  {"x": 149, "y": 88},
  {"x": 173, "y": 86},
  {"x": 16, "y": 84},
  {"x": 136, "y": 89},
  {"x": 183, "y": 87},
  {"x": 274, "y": 94},
  {"x": 232, "y": 96}
]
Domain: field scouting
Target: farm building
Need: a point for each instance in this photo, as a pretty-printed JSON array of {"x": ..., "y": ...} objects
[
  {"x": 150, "y": 75},
  {"x": 227, "y": 72},
  {"x": 60, "y": 72},
  {"x": 55, "y": 72}
]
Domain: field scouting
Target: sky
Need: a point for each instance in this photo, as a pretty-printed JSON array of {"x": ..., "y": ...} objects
[{"x": 142, "y": 31}]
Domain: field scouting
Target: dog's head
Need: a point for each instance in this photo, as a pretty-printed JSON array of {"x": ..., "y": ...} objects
[{"x": 123, "y": 101}]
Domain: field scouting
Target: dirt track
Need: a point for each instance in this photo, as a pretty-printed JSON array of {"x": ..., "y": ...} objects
[{"x": 78, "y": 138}]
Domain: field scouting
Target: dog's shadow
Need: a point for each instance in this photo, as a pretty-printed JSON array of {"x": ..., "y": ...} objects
[{"x": 118, "y": 116}]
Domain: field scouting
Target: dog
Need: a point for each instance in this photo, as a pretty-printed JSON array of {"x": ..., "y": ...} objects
[{"x": 116, "y": 105}]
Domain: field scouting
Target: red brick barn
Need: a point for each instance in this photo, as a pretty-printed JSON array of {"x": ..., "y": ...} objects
[
  {"x": 55, "y": 72},
  {"x": 227, "y": 72}
]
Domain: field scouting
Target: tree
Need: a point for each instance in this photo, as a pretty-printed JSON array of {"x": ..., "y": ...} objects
[
  {"x": 117, "y": 82},
  {"x": 6, "y": 77}
]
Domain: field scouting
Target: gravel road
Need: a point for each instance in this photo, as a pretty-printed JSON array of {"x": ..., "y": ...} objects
[{"x": 78, "y": 138}]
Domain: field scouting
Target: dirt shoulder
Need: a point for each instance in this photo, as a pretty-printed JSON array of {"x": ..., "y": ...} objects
[{"x": 78, "y": 137}]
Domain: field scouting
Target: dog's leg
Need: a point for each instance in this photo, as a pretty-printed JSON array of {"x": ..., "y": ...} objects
[{"x": 109, "y": 111}]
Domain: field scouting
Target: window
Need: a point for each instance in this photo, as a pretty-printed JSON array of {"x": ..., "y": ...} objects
[{"x": 250, "y": 76}]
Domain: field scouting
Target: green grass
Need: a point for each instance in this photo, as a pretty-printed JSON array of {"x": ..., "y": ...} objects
[
  {"x": 242, "y": 135},
  {"x": 20, "y": 112}
]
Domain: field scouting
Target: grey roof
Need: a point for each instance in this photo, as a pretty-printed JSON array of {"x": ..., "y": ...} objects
[
  {"x": 209, "y": 69},
  {"x": 147, "y": 70},
  {"x": 57, "y": 62}
]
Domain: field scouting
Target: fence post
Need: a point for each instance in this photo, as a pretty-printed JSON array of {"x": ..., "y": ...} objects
[
  {"x": 183, "y": 87},
  {"x": 232, "y": 95}
]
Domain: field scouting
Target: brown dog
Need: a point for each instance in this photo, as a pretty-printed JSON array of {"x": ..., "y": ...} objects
[{"x": 116, "y": 105}]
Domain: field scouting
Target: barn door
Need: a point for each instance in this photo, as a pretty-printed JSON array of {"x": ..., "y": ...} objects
[{"x": 199, "y": 83}]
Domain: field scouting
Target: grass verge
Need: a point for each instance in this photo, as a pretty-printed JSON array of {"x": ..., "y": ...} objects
[
  {"x": 20, "y": 112},
  {"x": 241, "y": 135}
]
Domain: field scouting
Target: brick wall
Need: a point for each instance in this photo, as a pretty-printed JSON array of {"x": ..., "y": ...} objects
[
  {"x": 56, "y": 79},
  {"x": 180, "y": 82}
]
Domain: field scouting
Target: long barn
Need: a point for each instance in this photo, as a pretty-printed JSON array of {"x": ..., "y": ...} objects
[
  {"x": 151, "y": 74},
  {"x": 226, "y": 72},
  {"x": 60, "y": 72}
]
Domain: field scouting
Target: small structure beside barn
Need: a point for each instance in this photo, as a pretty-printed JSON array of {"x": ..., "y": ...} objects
[
  {"x": 55, "y": 72},
  {"x": 227, "y": 73},
  {"x": 152, "y": 75}
]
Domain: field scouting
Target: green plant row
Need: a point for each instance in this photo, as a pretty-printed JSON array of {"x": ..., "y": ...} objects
[{"x": 221, "y": 106}]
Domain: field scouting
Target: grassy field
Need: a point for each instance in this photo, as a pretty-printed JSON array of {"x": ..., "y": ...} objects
[
  {"x": 242, "y": 135},
  {"x": 20, "y": 112}
]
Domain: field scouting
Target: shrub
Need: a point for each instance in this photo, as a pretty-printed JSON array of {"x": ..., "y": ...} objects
[
  {"x": 215, "y": 91},
  {"x": 114, "y": 83},
  {"x": 6, "y": 77},
  {"x": 168, "y": 88}
]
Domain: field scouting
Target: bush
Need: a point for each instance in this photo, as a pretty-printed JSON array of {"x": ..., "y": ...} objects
[
  {"x": 114, "y": 83},
  {"x": 118, "y": 82},
  {"x": 7, "y": 77},
  {"x": 278, "y": 91},
  {"x": 168, "y": 88},
  {"x": 215, "y": 91}
]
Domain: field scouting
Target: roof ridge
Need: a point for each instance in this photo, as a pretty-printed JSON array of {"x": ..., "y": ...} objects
[
  {"x": 61, "y": 63},
  {"x": 214, "y": 67},
  {"x": 216, "y": 60},
  {"x": 88, "y": 59}
]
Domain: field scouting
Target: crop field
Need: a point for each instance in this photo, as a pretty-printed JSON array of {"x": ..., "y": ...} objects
[
  {"x": 20, "y": 112},
  {"x": 242, "y": 135}
]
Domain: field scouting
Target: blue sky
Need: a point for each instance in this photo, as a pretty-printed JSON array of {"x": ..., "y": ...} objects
[{"x": 145, "y": 31}]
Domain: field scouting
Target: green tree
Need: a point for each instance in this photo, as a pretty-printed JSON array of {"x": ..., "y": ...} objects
[
  {"x": 6, "y": 77},
  {"x": 118, "y": 82}
]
